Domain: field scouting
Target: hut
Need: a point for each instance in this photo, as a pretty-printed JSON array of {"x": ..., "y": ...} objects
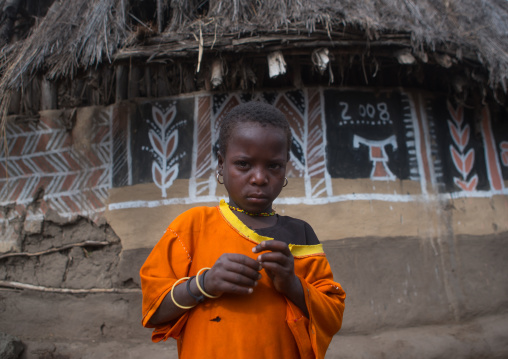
[{"x": 399, "y": 160}]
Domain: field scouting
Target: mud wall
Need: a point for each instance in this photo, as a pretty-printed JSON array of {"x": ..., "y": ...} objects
[{"x": 407, "y": 191}]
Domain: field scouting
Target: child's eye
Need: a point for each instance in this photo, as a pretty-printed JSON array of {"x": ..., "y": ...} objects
[
  {"x": 275, "y": 166},
  {"x": 241, "y": 164}
]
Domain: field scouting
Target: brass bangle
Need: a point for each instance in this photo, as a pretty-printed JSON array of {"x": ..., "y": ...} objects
[
  {"x": 201, "y": 288},
  {"x": 173, "y": 298}
]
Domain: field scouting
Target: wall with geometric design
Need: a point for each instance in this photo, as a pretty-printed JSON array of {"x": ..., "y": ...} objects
[{"x": 71, "y": 161}]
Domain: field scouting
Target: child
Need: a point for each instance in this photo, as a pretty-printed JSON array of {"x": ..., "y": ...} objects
[{"x": 219, "y": 284}]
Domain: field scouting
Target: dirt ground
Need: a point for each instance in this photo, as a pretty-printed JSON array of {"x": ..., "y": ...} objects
[
  {"x": 64, "y": 316},
  {"x": 481, "y": 338},
  {"x": 107, "y": 325}
]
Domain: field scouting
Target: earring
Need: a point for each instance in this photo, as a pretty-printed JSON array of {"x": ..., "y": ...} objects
[
  {"x": 219, "y": 182},
  {"x": 285, "y": 182}
]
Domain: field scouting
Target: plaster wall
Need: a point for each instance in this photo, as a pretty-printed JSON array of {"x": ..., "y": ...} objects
[{"x": 412, "y": 208}]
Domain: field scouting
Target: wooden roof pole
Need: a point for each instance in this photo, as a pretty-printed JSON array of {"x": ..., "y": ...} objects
[
  {"x": 10, "y": 11},
  {"x": 160, "y": 16}
]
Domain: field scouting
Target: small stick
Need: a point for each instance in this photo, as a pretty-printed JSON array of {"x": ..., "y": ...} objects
[
  {"x": 58, "y": 249},
  {"x": 39, "y": 288}
]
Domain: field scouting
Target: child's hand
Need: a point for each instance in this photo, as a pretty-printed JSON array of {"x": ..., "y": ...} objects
[
  {"x": 233, "y": 273},
  {"x": 279, "y": 265}
]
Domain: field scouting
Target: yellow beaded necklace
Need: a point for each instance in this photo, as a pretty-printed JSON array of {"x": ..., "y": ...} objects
[{"x": 260, "y": 214}]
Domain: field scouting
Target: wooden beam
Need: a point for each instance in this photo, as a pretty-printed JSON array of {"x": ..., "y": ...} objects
[
  {"x": 160, "y": 17},
  {"x": 148, "y": 82},
  {"x": 14, "y": 102},
  {"x": 134, "y": 81},
  {"x": 49, "y": 93},
  {"x": 121, "y": 89}
]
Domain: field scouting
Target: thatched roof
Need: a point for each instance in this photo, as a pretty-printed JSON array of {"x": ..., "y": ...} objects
[{"x": 65, "y": 37}]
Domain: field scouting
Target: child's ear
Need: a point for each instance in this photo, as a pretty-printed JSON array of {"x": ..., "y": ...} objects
[{"x": 220, "y": 160}]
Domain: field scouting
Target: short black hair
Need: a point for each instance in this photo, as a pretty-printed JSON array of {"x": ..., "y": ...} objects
[{"x": 253, "y": 111}]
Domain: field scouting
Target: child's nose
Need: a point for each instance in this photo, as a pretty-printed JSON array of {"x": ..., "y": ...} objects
[{"x": 259, "y": 177}]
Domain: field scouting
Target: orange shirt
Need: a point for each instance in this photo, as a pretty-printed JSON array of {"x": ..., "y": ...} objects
[{"x": 264, "y": 324}]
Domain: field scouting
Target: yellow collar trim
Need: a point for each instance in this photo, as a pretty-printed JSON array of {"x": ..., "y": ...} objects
[
  {"x": 296, "y": 249},
  {"x": 299, "y": 250},
  {"x": 237, "y": 224}
]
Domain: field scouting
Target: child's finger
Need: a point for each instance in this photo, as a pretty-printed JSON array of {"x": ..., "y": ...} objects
[
  {"x": 233, "y": 273},
  {"x": 274, "y": 269},
  {"x": 244, "y": 260},
  {"x": 221, "y": 280},
  {"x": 274, "y": 246},
  {"x": 238, "y": 270},
  {"x": 273, "y": 257},
  {"x": 238, "y": 264},
  {"x": 239, "y": 279},
  {"x": 227, "y": 287}
]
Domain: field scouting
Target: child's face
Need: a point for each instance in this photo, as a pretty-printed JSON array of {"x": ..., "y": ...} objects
[{"x": 254, "y": 166}]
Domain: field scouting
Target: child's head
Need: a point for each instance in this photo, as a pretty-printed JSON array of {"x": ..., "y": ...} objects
[
  {"x": 253, "y": 153},
  {"x": 256, "y": 112}
]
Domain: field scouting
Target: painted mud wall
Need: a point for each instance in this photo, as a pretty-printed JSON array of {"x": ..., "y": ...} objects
[
  {"x": 389, "y": 148},
  {"x": 407, "y": 191}
]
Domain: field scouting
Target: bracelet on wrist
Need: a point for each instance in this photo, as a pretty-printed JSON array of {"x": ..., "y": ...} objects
[
  {"x": 201, "y": 285},
  {"x": 173, "y": 297},
  {"x": 197, "y": 298}
]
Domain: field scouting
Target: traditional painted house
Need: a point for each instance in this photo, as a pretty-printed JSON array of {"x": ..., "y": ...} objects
[{"x": 399, "y": 159}]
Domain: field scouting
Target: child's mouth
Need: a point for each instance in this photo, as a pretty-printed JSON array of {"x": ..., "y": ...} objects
[{"x": 256, "y": 198}]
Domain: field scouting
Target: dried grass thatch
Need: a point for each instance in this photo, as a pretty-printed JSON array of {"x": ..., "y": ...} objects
[
  {"x": 476, "y": 30},
  {"x": 75, "y": 35}
]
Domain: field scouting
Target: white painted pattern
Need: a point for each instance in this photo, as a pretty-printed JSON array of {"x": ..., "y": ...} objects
[
  {"x": 77, "y": 183},
  {"x": 412, "y": 136},
  {"x": 319, "y": 191},
  {"x": 463, "y": 161},
  {"x": 316, "y": 150},
  {"x": 202, "y": 179},
  {"x": 378, "y": 156},
  {"x": 396, "y": 198},
  {"x": 73, "y": 182}
]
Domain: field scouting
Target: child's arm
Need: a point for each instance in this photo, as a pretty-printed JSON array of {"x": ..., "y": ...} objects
[
  {"x": 279, "y": 265},
  {"x": 168, "y": 311},
  {"x": 319, "y": 298},
  {"x": 231, "y": 273}
]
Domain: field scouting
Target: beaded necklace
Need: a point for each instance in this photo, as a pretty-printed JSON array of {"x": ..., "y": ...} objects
[{"x": 260, "y": 214}]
